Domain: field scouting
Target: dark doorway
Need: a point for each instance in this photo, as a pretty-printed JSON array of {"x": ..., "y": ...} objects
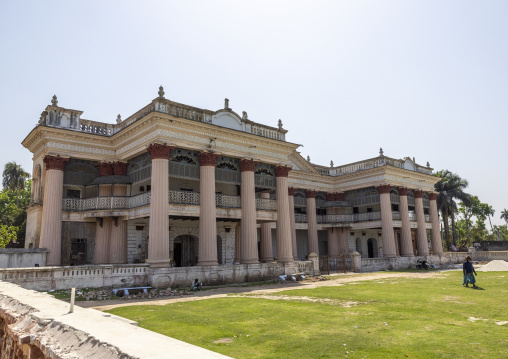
[
  {"x": 178, "y": 254},
  {"x": 78, "y": 252},
  {"x": 371, "y": 247}
]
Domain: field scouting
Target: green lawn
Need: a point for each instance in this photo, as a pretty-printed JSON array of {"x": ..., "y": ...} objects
[{"x": 415, "y": 318}]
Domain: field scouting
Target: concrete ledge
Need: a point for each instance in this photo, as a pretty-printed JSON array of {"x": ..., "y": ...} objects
[{"x": 35, "y": 325}]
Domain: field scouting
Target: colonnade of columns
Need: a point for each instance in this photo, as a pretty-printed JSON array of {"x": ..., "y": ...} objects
[{"x": 111, "y": 234}]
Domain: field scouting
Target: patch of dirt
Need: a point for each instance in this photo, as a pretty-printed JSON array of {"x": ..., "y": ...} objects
[
  {"x": 224, "y": 341},
  {"x": 336, "y": 280},
  {"x": 501, "y": 323},
  {"x": 473, "y": 319}
]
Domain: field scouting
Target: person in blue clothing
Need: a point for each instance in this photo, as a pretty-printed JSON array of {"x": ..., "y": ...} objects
[{"x": 468, "y": 270}]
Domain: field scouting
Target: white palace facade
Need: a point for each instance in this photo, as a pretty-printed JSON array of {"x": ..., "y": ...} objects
[{"x": 179, "y": 186}]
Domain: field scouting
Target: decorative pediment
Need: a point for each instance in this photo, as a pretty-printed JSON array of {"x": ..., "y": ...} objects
[
  {"x": 409, "y": 164},
  {"x": 229, "y": 119},
  {"x": 300, "y": 164}
]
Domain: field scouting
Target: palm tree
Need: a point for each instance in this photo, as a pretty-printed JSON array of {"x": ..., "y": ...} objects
[
  {"x": 14, "y": 178},
  {"x": 449, "y": 188},
  {"x": 504, "y": 215}
]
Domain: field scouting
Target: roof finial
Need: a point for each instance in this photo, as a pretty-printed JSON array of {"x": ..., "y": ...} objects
[
  {"x": 118, "y": 119},
  {"x": 226, "y": 104},
  {"x": 381, "y": 151},
  {"x": 280, "y": 124},
  {"x": 244, "y": 115},
  {"x": 308, "y": 158},
  {"x": 161, "y": 92},
  {"x": 331, "y": 163},
  {"x": 54, "y": 101},
  {"x": 428, "y": 164}
]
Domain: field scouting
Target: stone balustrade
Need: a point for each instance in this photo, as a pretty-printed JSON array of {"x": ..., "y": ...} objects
[{"x": 369, "y": 164}]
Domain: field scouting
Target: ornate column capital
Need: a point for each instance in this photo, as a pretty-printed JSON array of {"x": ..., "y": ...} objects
[
  {"x": 330, "y": 197},
  {"x": 403, "y": 191},
  {"x": 418, "y": 193},
  {"x": 119, "y": 168},
  {"x": 384, "y": 189},
  {"x": 340, "y": 196},
  {"x": 310, "y": 194},
  {"x": 291, "y": 191},
  {"x": 55, "y": 162},
  {"x": 105, "y": 168},
  {"x": 247, "y": 165},
  {"x": 282, "y": 171},
  {"x": 432, "y": 196},
  {"x": 208, "y": 159},
  {"x": 158, "y": 151}
]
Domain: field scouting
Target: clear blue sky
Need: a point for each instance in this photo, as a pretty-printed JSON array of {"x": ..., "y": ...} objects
[{"x": 425, "y": 79}]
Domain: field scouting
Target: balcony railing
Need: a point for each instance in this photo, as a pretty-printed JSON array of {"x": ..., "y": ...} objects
[
  {"x": 183, "y": 197},
  {"x": 266, "y": 204},
  {"x": 372, "y": 199},
  {"x": 227, "y": 201}
]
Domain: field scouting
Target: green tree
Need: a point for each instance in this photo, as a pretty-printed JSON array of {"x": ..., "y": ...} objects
[
  {"x": 12, "y": 214},
  {"x": 14, "y": 178},
  {"x": 504, "y": 215},
  {"x": 450, "y": 188},
  {"x": 7, "y": 234},
  {"x": 475, "y": 209}
]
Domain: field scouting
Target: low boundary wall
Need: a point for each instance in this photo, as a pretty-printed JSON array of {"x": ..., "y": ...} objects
[{"x": 22, "y": 258}]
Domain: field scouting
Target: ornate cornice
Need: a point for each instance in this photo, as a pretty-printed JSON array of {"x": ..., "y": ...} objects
[
  {"x": 310, "y": 194},
  {"x": 105, "y": 168},
  {"x": 384, "y": 189},
  {"x": 403, "y": 191},
  {"x": 55, "y": 162},
  {"x": 208, "y": 159},
  {"x": 282, "y": 171},
  {"x": 159, "y": 151},
  {"x": 119, "y": 168},
  {"x": 247, "y": 165}
]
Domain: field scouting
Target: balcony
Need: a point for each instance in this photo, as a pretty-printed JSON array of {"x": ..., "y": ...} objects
[{"x": 174, "y": 197}]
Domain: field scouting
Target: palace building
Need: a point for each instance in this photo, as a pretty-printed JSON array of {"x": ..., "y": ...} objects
[{"x": 179, "y": 186}]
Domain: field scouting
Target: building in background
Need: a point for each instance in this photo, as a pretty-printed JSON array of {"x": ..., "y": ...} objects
[{"x": 175, "y": 185}]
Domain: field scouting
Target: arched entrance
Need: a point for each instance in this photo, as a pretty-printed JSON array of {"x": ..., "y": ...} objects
[
  {"x": 372, "y": 247},
  {"x": 185, "y": 250}
]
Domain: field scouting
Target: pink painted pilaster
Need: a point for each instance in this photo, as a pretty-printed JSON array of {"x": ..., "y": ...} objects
[
  {"x": 291, "y": 200},
  {"x": 207, "y": 251},
  {"x": 51, "y": 228},
  {"x": 435, "y": 233},
  {"x": 312, "y": 234},
  {"x": 158, "y": 232},
  {"x": 102, "y": 239},
  {"x": 406, "y": 243},
  {"x": 422, "y": 245},
  {"x": 284, "y": 245},
  {"x": 266, "y": 251},
  {"x": 249, "y": 240},
  {"x": 387, "y": 222}
]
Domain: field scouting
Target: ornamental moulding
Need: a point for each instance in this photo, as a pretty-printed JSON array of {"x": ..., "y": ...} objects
[
  {"x": 282, "y": 171},
  {"x": 247, "y": 165},
  {"x": 384, "y": 189},
  {"x": 208, "y": 159},
  {"x": 55, "y": 162},
  {"x": 159, "y": 151}
]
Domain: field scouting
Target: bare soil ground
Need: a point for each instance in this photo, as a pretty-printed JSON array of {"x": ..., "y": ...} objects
[{"x": 262, "y": 291}]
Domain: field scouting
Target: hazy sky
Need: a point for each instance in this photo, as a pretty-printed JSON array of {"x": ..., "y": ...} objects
[{"x": 424, "y": 79}]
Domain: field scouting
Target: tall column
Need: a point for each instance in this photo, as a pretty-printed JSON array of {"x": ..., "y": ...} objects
[
  {"x": 118, "y": 241},
  {"x": 284, "y": 245},
  {"x": 422, "y": 245},
  {"x": 266, "y": 252},
  {"x": 102, "y": 239},
  {"x": 291, "y": 199},
  {"x": 435, "y": 233},
  {"x": 333, "y": 233},
  {"x": 207, "y": 252},
  {"x": 387, "y": 222},
  {"x": 158, "y": 241},
  {"x": 51, "y": 229},
  {"x": 249, "y": 240},
  {"x": 312, "y": 234},
  {"x": 343, "y": 232},
  {"x": 406, "y": 243}
]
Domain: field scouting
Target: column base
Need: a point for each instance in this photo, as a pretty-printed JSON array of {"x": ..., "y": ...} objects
[
  {"x": 208, "y": 263},
  {"x": 250, "y": 261},
  {"x": 159, "y": 264},
  {"x": 285, "y": 260},
  {"x": 266, "y": 260},
  {"x": 407, "y": 255}
]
